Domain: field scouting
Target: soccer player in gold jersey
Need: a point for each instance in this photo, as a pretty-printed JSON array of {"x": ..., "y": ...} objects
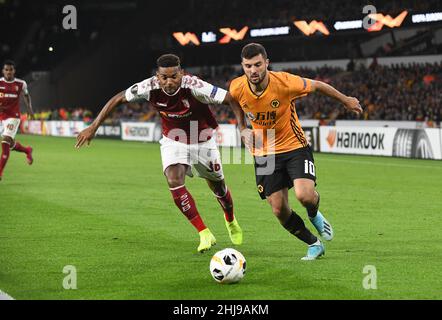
[{"x": 283, "y": 157}]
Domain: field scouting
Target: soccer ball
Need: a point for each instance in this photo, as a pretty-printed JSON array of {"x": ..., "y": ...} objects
[{"x": 228, "y": 266}]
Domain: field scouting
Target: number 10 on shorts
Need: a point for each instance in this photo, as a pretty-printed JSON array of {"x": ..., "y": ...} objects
[{"x": 309, "y": 168}]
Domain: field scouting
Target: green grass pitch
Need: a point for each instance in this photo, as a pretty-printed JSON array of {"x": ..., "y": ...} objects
[{"x": 107, "y": 211}]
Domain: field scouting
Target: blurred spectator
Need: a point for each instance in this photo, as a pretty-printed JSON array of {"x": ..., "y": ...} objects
[{"x": 400, "y": 92}]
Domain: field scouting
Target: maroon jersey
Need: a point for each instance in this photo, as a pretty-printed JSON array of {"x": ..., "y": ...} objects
[
  {"x": 185, "y": 115},
  {"x": 10, "y": 92}
]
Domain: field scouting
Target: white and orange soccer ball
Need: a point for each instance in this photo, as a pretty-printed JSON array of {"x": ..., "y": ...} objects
[{"x": 228, "y": 266}]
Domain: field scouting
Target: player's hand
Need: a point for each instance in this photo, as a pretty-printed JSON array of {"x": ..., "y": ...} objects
[
  {"x": 352, "y": 104},
  {"x": 85, "y": 136}
]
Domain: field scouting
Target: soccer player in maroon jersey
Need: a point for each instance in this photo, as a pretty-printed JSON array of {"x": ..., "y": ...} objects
[
  {"x": 188, "y": 138},
  {"x": 10, "y": 90}
]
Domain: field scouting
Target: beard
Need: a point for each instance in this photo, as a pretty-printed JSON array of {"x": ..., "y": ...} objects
[{"x": 257, "y": 79}]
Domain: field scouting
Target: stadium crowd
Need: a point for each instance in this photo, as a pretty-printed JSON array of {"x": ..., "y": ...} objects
[
  {"x": 400, "y": 92},
  {"x": 46, "y": 43},
  {"x": 65, "y": 114}
]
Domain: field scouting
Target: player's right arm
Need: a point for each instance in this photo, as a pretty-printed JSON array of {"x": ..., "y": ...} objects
[
  {"x": 139, "y": 91},
  {"x": 89, "y": 133}
]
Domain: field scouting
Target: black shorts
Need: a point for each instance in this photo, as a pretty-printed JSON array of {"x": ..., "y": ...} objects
[{"x": 277, "y": 172}]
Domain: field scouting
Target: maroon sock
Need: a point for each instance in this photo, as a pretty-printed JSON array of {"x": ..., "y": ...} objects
[
  {"x": 5, "y": 156},
  {"x": 184, "y": 201},
  {"x": 19, "y": 148},
  {"x": 227, "y": 205}
]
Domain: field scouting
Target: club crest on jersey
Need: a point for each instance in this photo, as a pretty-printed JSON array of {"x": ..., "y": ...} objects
[{"x": 275, "y": 104}]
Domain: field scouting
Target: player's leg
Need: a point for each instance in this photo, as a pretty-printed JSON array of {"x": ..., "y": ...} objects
[
  {"x": 10, "y": 127},
  {"x": 175, "y": 175},
  {"x": 6, "y": 147},
  {"x": 26, "y": 150},
  {"x": 288, "y": 218},
  {"x": 294, "y": 224},
  {"x": 222, "y": 194},
  {"x": 274, "y": 186},
  {"x": 309, "y": 198},
  {"x": 8, "y": 143},
  {"x": 223, "y": 197},
  {"x": 302, "y": 171},
  {"x": 176, "y": 164},
  {"x": 206, "y": 160}
]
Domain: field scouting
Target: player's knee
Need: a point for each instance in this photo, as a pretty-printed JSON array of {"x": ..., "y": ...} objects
[
  {"x": 281, "y": 211},
  {"x": 175, "y": 176},
  {"x": 8, "y": 140},
  {"x": 306, "y": 197},
  {"x": 175, "y": 182}
]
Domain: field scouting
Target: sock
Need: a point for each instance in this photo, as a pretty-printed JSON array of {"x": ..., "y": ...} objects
[
  {"x": 317, "y": 243},
  {"x": 184, "y": 201},
  {"x": 5, "y": 156},
  {"x": 19, "y": 148},
  {"x": 295, "y": 225},
  {"x": 227, "y": 205},
  {"x": 312, "y": 211}
]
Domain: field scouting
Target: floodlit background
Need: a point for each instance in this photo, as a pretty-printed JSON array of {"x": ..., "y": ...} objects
[{"x": 106, "y": 210}]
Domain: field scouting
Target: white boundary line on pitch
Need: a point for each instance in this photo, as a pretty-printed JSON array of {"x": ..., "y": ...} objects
[
  {"x": 5, "y": 296},
  {"x": 381, "y": 163}
]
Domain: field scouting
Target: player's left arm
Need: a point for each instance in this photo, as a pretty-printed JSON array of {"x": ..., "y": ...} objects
[
  {"x": 350, "y": 103},
  {"x": 28, "y": 101}
]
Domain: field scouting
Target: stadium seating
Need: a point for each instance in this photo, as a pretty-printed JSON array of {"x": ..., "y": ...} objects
[
  {"x": 415, "y": 88},
  {"x": 401, "y": 92}
]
